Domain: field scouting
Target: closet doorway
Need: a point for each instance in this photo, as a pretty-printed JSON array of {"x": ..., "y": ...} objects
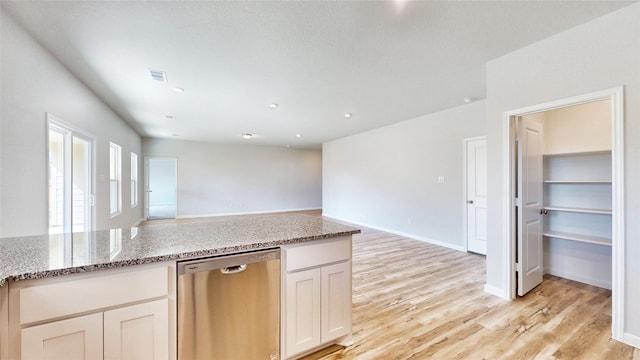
[{"x": 565, "y": 195}]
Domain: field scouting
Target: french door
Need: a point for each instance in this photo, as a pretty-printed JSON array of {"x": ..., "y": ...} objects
[{"x": 70, "y": 180}]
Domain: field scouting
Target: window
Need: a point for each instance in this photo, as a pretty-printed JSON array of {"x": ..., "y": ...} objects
[
  {"x": 115, "y": 187},
  {"x": 134, "y": 180}
]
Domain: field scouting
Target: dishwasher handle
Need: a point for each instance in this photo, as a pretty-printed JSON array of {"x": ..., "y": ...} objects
[{"x": 233, "y": 269}]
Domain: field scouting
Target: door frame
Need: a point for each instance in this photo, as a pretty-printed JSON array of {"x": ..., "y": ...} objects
[
  {"x": 616, "y": 95},
  {"x": 146, "y": 182},
  {"x": 465, "y": 212}
]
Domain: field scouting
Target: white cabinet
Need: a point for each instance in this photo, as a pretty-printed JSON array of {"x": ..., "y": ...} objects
[
  {"x": 317, "y": 298},
  {"x": 336, "y": 300},
  {"x": 133, "y": 332},
  {"x": 302, "y": 311},
  {"x": 122, "y": 314},
  {"x": 137, "y": 332},
  {"x": 4, "y": 322},
  {"x": 577, "y": 221},
  {"x": 79, "y": 338}
]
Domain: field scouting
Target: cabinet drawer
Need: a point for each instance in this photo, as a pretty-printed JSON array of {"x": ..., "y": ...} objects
[
  {"x": 302, "y": 256},
  {"x": 48, "y": 301}
]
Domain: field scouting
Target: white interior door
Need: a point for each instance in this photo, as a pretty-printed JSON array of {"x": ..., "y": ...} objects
[
  {"x": 529, "y": 204},
  {"x": 161, "y": 187},
  {"x": 476, "y": 190}
]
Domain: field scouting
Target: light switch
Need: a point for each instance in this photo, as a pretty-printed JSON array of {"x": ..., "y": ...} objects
[{"x": 441, "y": 179}]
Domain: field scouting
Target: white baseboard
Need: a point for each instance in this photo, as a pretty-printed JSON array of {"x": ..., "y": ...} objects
[
  {"x": 138, "y": 222},
  {"x": 580, "y": 278},
  {"x": 631, "y": 339},
  {"x": 401, "y": 233},
  {"x": 495, "y": 291},
  {"x": 244, "y": 213}
]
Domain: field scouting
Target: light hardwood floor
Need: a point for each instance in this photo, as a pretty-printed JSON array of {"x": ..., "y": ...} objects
[{"x": 413, "y": 300}]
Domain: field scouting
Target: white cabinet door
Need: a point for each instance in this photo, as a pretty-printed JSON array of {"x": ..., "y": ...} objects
[
  {"x": 74, "y": 339},
  {"x": 336, "y": 301},
  {"x": 302, "y": 311},
  {"x": 137, "y": 332}
]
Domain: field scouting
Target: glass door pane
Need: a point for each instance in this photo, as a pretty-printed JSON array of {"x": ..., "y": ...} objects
[
  {"x": 161, "y": 188},
  {"x": 81, "y": 186}
]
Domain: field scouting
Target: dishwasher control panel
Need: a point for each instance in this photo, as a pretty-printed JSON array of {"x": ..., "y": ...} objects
[
  {"x": 262, "y": 257},
  {"x": 231, "y": 263}
]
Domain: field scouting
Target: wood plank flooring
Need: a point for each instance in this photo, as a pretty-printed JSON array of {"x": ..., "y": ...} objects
[{"x": 413, "y": 300}]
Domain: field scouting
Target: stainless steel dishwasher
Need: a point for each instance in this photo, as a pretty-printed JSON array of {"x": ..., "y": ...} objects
[{"x": 229, "y": 307}]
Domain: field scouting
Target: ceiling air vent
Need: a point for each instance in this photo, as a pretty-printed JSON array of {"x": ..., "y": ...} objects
[{"x": 158, "y": 75}]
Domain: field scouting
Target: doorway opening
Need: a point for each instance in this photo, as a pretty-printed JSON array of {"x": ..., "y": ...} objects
[
  {"x": 161, "y": 188},
  {"x": 570, "y": 175}
]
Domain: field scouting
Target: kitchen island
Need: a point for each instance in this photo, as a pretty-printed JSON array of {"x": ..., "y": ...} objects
[{"x": 59, "y": 279}]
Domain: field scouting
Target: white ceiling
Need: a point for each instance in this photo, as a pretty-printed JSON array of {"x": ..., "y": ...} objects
[{"x": 383, "y": 61}]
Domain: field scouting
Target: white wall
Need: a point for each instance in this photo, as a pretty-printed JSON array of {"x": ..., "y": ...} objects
[
  {"x": 585, "y": 127},
  {"x": 219, "y": 179},
  {"x": 34, "y": 83},
  {"x": 387, "y": 178},
  {"x": 601, "y": 54}
]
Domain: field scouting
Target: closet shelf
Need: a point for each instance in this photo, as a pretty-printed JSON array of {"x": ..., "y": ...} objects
[
  {"x": 577, "y": 181},
  {"x": 580, "y": 153},
  {"x": 579, "y": 210},
  {"x": 580, "y": 238}
]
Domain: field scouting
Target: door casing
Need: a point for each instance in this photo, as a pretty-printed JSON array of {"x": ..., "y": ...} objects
[{"x": 616, "y": 95}]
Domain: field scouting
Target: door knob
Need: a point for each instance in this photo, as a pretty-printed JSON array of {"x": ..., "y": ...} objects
[{"x": 469, "y": 201}]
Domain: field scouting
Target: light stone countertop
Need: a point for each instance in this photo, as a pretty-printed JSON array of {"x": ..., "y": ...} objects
[{"x": 34, "y": 257}]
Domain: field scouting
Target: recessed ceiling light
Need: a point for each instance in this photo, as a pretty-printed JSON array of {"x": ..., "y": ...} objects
[
  {"x": 348, "y": 115},
  {"x": 170, "y": 117},
  {"x": 247, "y": 136},
  {"x": 178, "y": 89},
  {"x": 298, "y": 135},
  {"x": 273, "y": 105},
  {"x": 288, "y": 146},
  {"x": 467, "y": 100}
]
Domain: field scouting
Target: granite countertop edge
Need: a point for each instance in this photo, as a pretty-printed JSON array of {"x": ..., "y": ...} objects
[{"x": 224, "y": 250}]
